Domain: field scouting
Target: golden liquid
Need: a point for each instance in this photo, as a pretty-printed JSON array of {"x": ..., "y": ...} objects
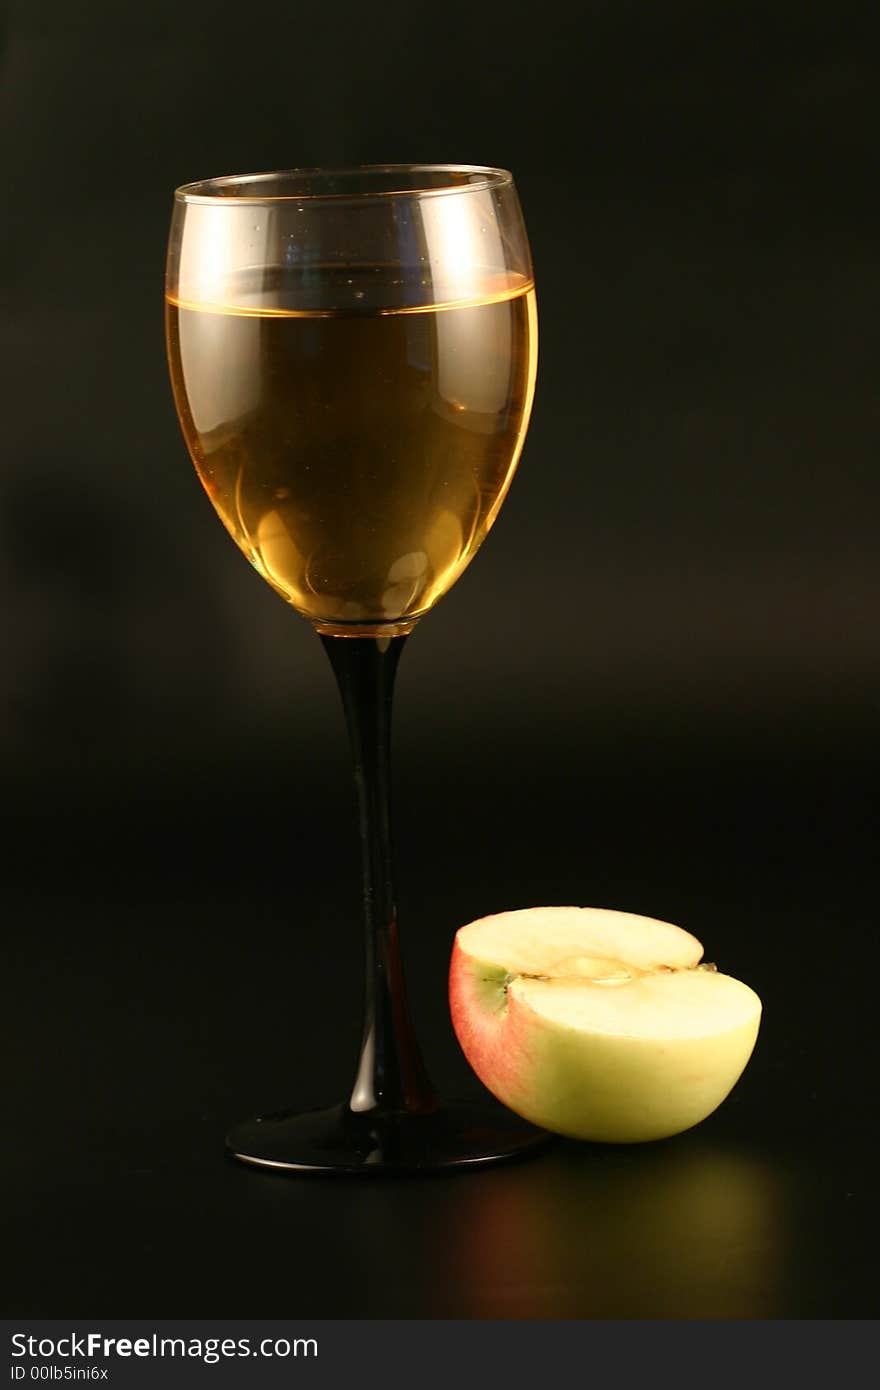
[{"x": 357, "y": 455}]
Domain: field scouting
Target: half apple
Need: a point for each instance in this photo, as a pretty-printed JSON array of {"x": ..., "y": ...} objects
[{"x": 598, "y": 1024}]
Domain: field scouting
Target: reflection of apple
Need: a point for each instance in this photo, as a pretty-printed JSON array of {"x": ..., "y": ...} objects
[
  {"x": 598, "y": 1024},
  {"x": 688, "y": 1229}
]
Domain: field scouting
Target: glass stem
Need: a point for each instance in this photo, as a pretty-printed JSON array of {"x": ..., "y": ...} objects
[{"x": 391, "y": 1075}]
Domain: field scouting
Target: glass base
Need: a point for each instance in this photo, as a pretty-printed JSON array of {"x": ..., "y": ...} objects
[{"x": 460, "y": 1134}]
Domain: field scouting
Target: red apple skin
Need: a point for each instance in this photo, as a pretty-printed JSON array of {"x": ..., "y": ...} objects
[{"x": 496, "y": 1044}]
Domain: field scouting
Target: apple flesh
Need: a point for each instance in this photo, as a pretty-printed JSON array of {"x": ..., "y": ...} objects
[{"x": 597, "y": 1024}]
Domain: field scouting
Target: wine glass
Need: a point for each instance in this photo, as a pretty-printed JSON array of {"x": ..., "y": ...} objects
[{"x": 353, "y": 358}]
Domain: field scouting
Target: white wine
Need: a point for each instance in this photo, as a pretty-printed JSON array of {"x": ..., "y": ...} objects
[{"x": 357, "y": 453}]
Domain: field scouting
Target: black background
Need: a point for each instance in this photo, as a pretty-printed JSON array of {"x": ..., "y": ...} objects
[{"x": 656, "y": 689}]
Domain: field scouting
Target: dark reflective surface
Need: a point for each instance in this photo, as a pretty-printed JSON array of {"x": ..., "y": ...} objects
[{"x": 146, "y": 1013}]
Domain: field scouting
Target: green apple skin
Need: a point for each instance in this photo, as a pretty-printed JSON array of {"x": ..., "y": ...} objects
[{"x": 589, "y": 1085}]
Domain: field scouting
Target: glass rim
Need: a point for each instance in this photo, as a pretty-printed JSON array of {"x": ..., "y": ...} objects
[{"x": 210, "y": 191}]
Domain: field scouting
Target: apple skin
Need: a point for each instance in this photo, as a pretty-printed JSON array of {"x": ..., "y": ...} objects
[{"x": 611, "y": 1089}]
